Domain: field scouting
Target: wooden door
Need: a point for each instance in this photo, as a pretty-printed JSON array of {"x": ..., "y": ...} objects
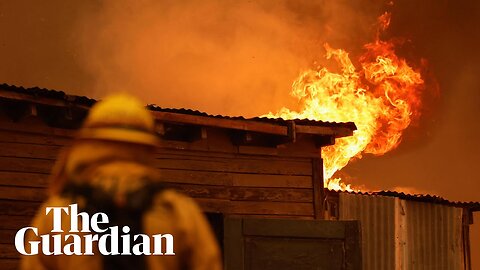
[{"x": 275, "y": 244}]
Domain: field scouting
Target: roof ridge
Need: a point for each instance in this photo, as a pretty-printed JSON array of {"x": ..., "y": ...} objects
[
  {"x": 84, "y": 100},
  {"x": 475, "y": 205}
]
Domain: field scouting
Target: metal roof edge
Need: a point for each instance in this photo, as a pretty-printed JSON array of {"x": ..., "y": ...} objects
[
  {"x": 276, "y": 126},
  {"x": 472, "y": 206}
]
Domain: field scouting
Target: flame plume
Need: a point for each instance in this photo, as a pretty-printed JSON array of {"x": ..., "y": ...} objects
[{"x": 381, "y": 95}]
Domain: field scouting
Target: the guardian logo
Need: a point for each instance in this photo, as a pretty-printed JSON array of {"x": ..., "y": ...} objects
[{"x": 81, "y": 242}]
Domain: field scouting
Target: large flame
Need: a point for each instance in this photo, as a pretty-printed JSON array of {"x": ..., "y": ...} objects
[{"x": 381, "y": 96}]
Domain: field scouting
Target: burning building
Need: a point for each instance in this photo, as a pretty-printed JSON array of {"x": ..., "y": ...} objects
[{"x": 260, "y": 181}]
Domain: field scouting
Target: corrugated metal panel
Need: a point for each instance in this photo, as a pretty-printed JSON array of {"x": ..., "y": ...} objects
[
  {"x": 377, "y": 218},
  {"x": 473, "y": 206},
  {"x": 406, "y": 235},
  {"x": 434, "y": 237},
  {"x": 82, "y": 100}
]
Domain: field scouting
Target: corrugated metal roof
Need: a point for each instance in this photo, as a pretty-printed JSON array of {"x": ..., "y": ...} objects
[
  {"x": 48, "y": 93},
  {"x": 309, "y": 122},
  {"x": 429, "y": 198},
  {"x": 473, "y": 206},
  {"x": 86, "y": 101}
]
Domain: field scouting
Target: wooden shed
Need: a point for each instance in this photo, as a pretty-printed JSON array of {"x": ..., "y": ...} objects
[{"x": 236, "y": 169}]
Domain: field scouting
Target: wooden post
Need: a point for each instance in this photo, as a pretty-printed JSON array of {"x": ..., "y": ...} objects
[
  {"x": 234, "y": 244},
  {"x": 400, "y": 210},
  {"x": 353, "y": 245},
  {"x": 318, "y": 189},
  {"x": 467, "y": 217}
]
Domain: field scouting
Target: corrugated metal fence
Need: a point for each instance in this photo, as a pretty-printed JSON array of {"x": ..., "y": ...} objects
[{"x": 405, "y": 235}]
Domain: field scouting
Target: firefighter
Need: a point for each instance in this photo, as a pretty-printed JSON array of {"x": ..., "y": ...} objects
[{"x": 109, "y": 169}]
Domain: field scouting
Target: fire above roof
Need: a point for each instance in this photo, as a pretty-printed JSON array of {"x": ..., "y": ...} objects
[{"x": 275, "y": 126}]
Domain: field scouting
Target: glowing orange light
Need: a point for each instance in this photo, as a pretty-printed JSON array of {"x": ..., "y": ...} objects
[{"x": 381, "y": 96}]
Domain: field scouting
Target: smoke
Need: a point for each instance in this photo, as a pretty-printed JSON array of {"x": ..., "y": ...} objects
[{"x": 220, "y": 56}]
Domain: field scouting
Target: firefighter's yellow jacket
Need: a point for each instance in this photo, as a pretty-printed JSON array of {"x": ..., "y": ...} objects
[{"x": 170, "y": 212}]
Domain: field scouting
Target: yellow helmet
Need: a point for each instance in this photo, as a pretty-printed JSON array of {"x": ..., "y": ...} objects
[{"x": 122, "y": 118}]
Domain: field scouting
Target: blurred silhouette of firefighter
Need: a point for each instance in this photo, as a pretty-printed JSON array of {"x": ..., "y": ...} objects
[{"x": 109, "y": 169}]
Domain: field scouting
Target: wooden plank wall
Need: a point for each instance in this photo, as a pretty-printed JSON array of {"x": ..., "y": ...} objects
[
  {"x": 242, "y": 185},
  {"x": 209, "y": 171}
]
